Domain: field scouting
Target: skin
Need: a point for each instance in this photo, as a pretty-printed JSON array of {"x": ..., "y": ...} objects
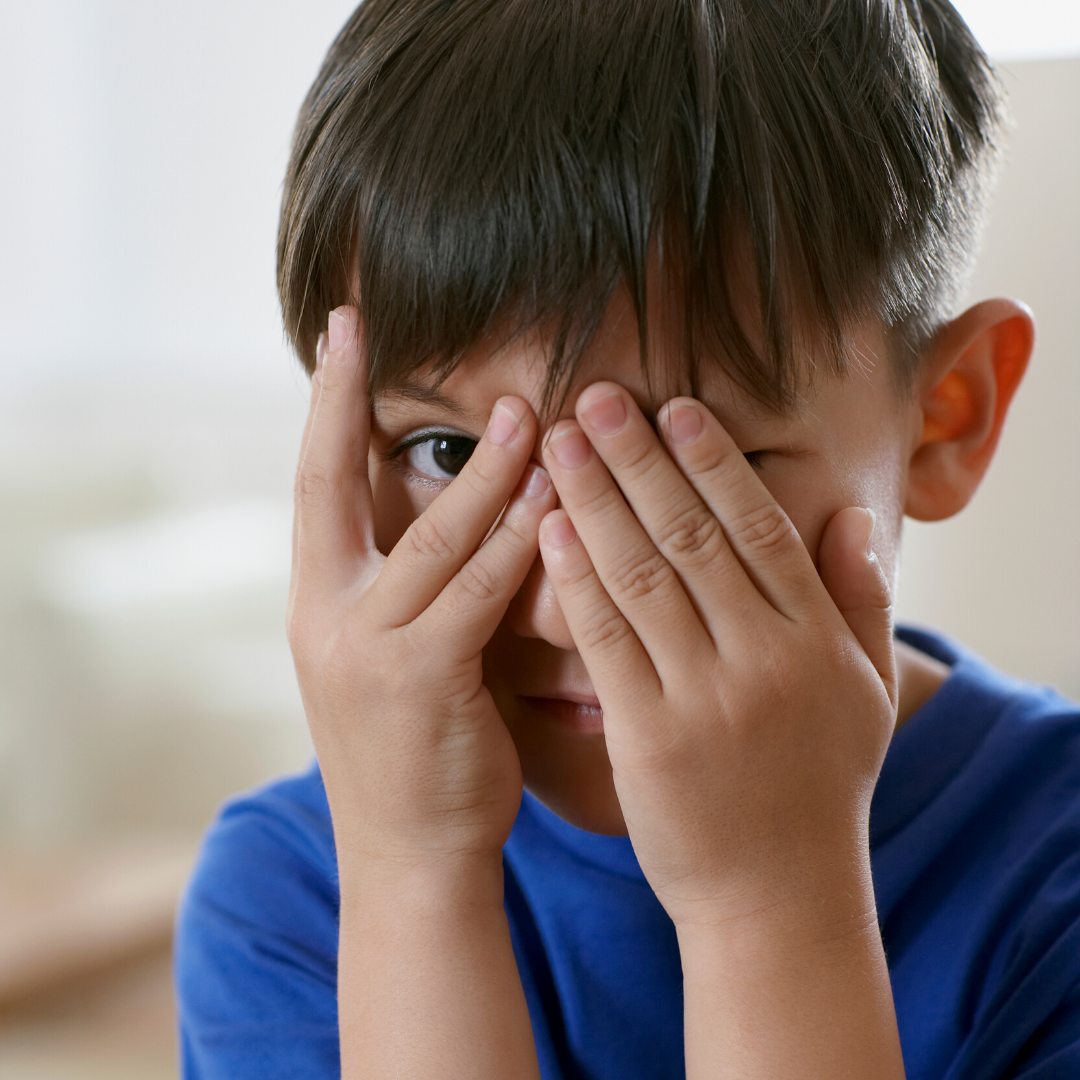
[{"x": 730, "y": 617}]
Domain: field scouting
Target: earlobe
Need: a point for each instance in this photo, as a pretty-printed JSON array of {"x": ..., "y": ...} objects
[{"x": 973, "y": 369}]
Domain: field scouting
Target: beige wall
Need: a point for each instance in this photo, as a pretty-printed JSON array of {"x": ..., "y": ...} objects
[{"x": 1004, "y": 576}]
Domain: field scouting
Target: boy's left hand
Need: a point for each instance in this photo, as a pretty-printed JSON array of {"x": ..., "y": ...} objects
[{"x": 748, "y": 700}]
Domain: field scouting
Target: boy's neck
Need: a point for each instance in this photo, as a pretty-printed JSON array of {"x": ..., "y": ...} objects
[{"x": 919, "y": 677}]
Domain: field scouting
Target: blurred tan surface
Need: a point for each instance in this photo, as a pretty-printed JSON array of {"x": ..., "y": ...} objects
[
  {"x": 85, "y": 965},
  {"x": 67, "y": 916},
  {"x": 118, "y": 1026}
]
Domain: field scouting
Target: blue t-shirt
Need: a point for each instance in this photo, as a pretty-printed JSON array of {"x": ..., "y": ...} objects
[{"x": 975, "y": 846}]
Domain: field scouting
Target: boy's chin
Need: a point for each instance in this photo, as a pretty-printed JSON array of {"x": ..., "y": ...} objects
[
  {"x": 564, "y": 762},
  {"x": 595, "y": 811}
]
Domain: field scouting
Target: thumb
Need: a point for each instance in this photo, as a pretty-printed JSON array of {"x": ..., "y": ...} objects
[{"x": 859, "y": 588}]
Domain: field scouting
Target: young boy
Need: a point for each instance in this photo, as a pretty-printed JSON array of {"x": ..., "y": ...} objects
[{"x": 632, "y": 332}]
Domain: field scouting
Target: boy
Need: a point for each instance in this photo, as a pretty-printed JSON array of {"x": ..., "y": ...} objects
[{"x": 666, "y": 288}]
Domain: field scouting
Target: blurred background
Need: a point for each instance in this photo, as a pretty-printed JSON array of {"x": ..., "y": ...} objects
[{"x": 149, "y": 418}]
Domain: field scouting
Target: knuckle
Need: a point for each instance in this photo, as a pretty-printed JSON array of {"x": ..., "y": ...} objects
[
  {"x": 710, "y": 459},
  {"x": 638, "y": 459},
  {"x": 603, "y": 631},
  {"x": 636, "y": 578},
  {"x": 430, "y": 538},
  {"x": 314, "y": 487},
  {"x": 692, "y": 532},
  {"x": 763, "y": 531},
  {"x": 479, "y": 581},
  {"x": 519, "y": 533},
  {"x": 518, "y": 527},
  {"x": 601, "y": 503}
]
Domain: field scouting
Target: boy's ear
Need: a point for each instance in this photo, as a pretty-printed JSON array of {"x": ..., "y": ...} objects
[{"x": 974, "y": 366}]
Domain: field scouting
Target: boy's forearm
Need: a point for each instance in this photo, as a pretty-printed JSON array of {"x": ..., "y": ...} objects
[
  {"x": 774, "y": 997},
  {"x": 427, "y": 981}
]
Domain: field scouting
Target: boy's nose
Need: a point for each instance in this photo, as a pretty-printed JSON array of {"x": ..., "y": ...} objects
[{"x": 535, "y": 613}]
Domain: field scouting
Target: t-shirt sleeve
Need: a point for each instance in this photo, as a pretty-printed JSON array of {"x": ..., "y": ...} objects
[
  {"x": 256, "y": 945},
  {"x": 1027, "y": 1023},
  {"x": 1038, "y": 1000}
]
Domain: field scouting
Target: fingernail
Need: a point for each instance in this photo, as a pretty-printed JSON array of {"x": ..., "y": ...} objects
[
  {"x": 537, "y": 483},
  {"x": 320, "y": 352},
  {"x": 338, "y": 329},
  {"x": 503, "y": 425},
  {"x": 568, "y": 445},
  {"x": 606, "y": 415},
  {"x": 870, "y": 535},
  {"x": 683, "y": 424},
  {"x": 559, "y": 532}
]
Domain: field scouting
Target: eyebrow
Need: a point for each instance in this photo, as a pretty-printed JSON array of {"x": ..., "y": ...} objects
[
  {"x": 432, "y": 396},
  {"x": 423, "y": 395}
]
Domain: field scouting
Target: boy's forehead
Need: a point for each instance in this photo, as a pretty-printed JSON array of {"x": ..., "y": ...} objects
[
  {"x": 470, "y": 389},
  {"x": 519, "y": 363}
]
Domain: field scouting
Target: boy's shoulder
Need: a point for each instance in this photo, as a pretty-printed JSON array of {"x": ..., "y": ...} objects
[
  {"x": 269, "y": 850},
  {"x": 975, "y": 831},
  {"x": 256, "y": 939},
  {"x": 982, "y": 736}
]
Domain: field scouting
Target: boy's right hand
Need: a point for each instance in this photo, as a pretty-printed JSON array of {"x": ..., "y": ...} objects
[{"x": 418, "y": 765}]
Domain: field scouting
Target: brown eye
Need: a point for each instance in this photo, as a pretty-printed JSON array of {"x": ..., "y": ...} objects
[{"x": 438, "y": 455}]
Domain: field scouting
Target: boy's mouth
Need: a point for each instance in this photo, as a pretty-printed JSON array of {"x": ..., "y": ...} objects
[{"x": 579, "y": 712}]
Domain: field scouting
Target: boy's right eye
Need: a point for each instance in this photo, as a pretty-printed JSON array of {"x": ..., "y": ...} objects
[{"x": 436, "y": 455}]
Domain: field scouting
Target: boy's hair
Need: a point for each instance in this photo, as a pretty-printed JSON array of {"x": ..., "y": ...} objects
[{"x": 483, "y": 168}]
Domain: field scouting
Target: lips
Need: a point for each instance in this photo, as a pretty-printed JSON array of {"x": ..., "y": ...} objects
[{"x": 577, "y": 712}]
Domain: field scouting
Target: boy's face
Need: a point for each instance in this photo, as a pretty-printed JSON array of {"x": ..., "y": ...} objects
[{"x": 848, "y": 444}]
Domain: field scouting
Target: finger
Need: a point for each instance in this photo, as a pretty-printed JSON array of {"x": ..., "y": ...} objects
[
  {"x": 445, "y": 536},
  {"x": 684, "y": 530},
  {"x": 859, "y": 588},
  {"x": 757, "y": 529},
  {"x": 320, "y": 353},
  {"x": 316, "y": 381},
  {"x": 634, "y": 573},
  {"x": 614, "y": 656},
  {"x": 477, "y": 596},
  {"x": 333, "y": 503}
]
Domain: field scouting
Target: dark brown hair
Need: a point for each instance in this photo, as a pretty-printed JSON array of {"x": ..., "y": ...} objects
[{"x": 487, "y": 167}]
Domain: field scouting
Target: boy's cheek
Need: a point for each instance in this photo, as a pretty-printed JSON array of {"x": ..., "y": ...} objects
[
  {"x": 396, "y": 505},
  {"x": 812, "y": 498},
  {"x": 804, "y": 497}
]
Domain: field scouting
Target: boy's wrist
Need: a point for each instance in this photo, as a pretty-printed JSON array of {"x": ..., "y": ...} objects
[
  {"x": 834, "y": 901},
  {"x": 792, "y": 990},
  {"x": 782, "y": 931},
  {"x": 421, "y": 887}
]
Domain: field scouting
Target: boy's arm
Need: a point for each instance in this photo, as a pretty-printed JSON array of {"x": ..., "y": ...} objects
[
  {"x": 421, "y": 775},
  {"x": 427, "y": 981},
  {"x": 769, "y": 996},
  {"x": 748, "y": 703}
]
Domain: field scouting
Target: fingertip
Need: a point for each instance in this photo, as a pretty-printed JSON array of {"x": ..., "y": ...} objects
[
  {"x": 872, "y": 523},
  {"x": 505, "y": 423},
  {"x": 339, "y": 328},
  {"x": 557, "y": 530},
  {"x": 681, "y": 421},
  {"x": 847, "y": 561},
  {"x": 535, "y": 482},
  {"x": 850, "y": 533}
]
